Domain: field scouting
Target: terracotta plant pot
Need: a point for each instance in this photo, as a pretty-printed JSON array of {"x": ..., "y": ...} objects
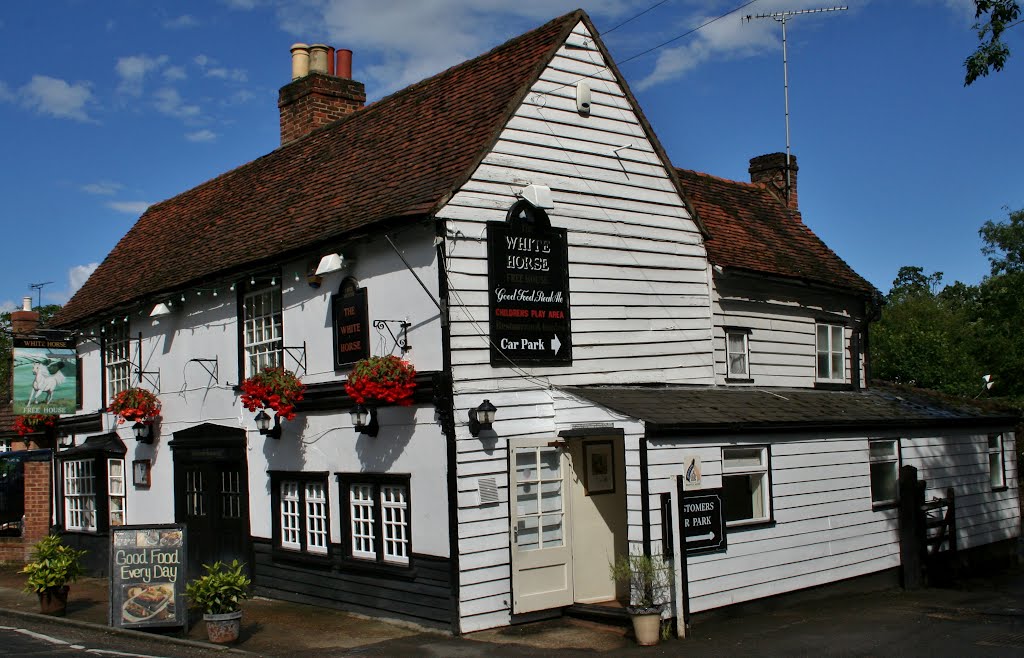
[
  {"x": 54, "y": 601},
  {"x": 223, "y": 629},
  {"x": 647, "y": 628}
]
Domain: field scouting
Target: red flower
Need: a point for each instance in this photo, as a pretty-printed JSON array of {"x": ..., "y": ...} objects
[
  {"x": 273, "y": 388},
  {"x": 382, "y": 380},
  {"x": 31, "y": 423},
  {"x": 135, "y": 404}
]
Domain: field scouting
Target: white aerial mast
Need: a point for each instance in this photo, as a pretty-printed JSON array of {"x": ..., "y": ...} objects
[{"x": 782, "y": 17}]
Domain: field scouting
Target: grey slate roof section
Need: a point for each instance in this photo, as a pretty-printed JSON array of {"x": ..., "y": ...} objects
[{"x": 667, "y": 409}]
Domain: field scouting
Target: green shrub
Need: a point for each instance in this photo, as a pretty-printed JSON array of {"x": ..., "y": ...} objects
[
  {"x": 220, "y": 590},
  {"x": 647, "y": 579},
  {"x": 52, "y": 565}
]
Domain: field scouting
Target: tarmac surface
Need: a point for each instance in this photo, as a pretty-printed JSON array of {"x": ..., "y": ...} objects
[{"x": 982, "y": 616}]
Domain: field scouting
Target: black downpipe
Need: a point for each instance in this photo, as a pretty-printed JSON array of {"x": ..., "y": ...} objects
[
  {"x": 445, "y": 404},
  {"x": 645, "y": 494}
]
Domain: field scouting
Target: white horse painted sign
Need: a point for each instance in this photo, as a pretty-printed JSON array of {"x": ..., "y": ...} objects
[{"x": 45, "y": 376}]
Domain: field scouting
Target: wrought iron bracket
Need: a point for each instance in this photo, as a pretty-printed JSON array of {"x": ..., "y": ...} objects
[
  {"x": 213, "y": 371},
  {"x": 150, "y": 377},
  {"x": 402, "y": 339},
  {"x": 298, "y": 356}
]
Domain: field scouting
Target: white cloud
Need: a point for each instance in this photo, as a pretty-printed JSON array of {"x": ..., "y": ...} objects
[
  {"x": 78, "y": 275},
  {"x": 102, "y": 188},
  {"x": 57, "y": 98},
  {"x": 416, "y": 40},
  {"x": 130, "y": 207},
  {"x": 133, "y": 70},
  {"x": 6, "y": 95},
  {"x": 181, "y": 22},
  {"x": 175, "y": 73},
  {"x": 201, "y": 136},
  {"x": 244, "y": 5},
  {"x": 201, "y": 61},
  {"x": 236, "y": 75},
  {"x": 168, "y": 101},
  {"x": 9, "y": 305}
]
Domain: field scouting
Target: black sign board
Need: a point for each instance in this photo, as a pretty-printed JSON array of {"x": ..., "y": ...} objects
[
  {"x": 702, "y": 521},
  {"x": 147, "y": 576},
  {"x": 351, "y": 328},
  {"x": 528, "y": 274}
]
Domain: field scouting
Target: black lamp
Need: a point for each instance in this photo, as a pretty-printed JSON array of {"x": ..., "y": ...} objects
[
  {"x": 143, "y": 432},
  {"x": 482, "y": 417},
  {"x": 263, "y": 425},
  {"x": 365, "y": 420}
]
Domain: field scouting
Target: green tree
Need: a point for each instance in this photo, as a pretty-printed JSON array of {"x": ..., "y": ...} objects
[
  {"x": 992, "y": 18},
  {"x": 46, "y": 313}
]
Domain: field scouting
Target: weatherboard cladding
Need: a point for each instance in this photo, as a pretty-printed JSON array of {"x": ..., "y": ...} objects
[
  {"x": 751, "y": 229},
  {"x": 400, "y": 157}
]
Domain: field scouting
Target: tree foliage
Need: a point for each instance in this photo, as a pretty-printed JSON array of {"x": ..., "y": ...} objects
[
  {"x": 947, "y": 338},
  {"x": 992, "y": 18}
]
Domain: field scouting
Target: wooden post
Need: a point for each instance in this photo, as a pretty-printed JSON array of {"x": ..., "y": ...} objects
[
  {"x": 683, "y": 589},
  {"x": 910, "y": 541}
]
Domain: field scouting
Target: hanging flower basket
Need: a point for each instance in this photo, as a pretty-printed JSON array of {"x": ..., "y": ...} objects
[
  {"x": 273, "y": 388},
  {"x": 32, "y": 423},
  {"x": 135, "y": 405},
  {"x": 382, "y": 380}
]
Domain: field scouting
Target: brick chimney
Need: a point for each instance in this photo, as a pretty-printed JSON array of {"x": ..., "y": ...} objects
[
  {"x": 770, "y": 169},
  {"x": 319, "y": 92},
  {"x": 25, "y": 321}
]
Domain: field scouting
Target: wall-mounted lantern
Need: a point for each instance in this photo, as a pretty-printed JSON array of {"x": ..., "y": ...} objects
[
  {"x": 263, "y": 425},
  {"x": 482, "y": 418},
  {"x": 364, "y": 419},
  {"x": 143, "y": 432}
]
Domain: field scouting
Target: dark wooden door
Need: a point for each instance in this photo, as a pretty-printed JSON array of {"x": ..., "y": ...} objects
[{"x": 211, "y": 497}]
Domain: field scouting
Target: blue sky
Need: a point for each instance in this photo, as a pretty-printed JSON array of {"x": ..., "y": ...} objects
[{"x": 107, "y": 106}]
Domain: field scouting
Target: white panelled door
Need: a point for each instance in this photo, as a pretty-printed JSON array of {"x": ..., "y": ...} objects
[{"x": 541, "y": 554}]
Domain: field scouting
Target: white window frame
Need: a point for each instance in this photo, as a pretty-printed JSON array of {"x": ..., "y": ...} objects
[
  {"x": 79, "y": 478},
  {"x": 262, "y": 329},
  {"x": 730, "y": 353},
  {"x": 997, "y": 461},
  {"x": 302, "y": 514},
  {"x": 878, "y": 459},
  {"x": 117, "y": 357},
  {"x": 828, "y": 349},
  {"x": 761, "y": 470},
  {"x": 379, "y": 520},
  {"x": 5, "y": 445},
  {"x": 116, "y": 509}
]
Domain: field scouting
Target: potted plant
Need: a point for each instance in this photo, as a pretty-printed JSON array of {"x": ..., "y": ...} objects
[
  {"x": 52, "y": 566},
  {"x": 218, "y": 594},
  {"x": 31, "y": 423},
  {"x": 382, "y": 380},
  {"x": 645, "y": 576},
  {"x": 273, "y": 388},
  {"x": 135, "y": 405}
]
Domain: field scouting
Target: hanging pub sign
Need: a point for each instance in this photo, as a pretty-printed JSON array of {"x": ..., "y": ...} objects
[
  {"x": 528, "y": 275},
  {"x": 351, "y": 327},
  {"x": 45, "y": 376},
  {"x": 147, "y": 576}
]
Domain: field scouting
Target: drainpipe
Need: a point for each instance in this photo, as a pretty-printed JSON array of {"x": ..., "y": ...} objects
[{"x": 645, "y": 494}]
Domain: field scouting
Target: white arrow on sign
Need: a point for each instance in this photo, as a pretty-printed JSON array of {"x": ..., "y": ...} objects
[
  {"x": 706, "y": 537},
  {"x": 555, "y": 343}
]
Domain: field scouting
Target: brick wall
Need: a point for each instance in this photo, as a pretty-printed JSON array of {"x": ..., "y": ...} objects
[
  {"x": 317, "y": 100},
  {"x": 37, "y": 514}
]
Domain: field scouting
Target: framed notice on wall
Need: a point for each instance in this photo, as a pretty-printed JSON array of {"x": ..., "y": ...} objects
[
  {"x": 599, "y": 460},
  {"x": 528, "y": 277},
  {"x": 147, "y": 576}
]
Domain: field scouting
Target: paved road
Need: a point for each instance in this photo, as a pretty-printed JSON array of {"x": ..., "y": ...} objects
[{"x": 20, "y": 636}]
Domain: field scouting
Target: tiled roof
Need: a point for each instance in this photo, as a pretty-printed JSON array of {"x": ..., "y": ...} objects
[
  {"x": 396, "y": 159},
  {"x": 752, "y": 230},
  {"x": 716, "y": 410}
]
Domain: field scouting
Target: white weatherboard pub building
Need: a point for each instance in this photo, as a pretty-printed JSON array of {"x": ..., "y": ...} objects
[{"x": 514, "y": 229}]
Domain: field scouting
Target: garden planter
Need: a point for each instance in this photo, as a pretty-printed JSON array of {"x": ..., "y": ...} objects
[
  {"x": 223, "y": 629},
  {"x": 54, "y": 601},
  {"x": 647, "y": 628}
]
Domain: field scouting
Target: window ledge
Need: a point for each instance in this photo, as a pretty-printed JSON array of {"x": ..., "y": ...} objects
[
  {"x": 298, "y": 557},
  {"x": 743, "y": 526},
  {"x": 355, "y": 565},
  {"x": 880, "y": 507},
  {"x": 738, "y": 380},
  {"x": 1000, "y": 488},
  {"x": 832, "y": 386}
]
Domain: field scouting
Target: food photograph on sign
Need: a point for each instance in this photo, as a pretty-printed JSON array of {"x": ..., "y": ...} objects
[
  {"x": 144, "y": 603},
  {"x": 45, "y": 374}
]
